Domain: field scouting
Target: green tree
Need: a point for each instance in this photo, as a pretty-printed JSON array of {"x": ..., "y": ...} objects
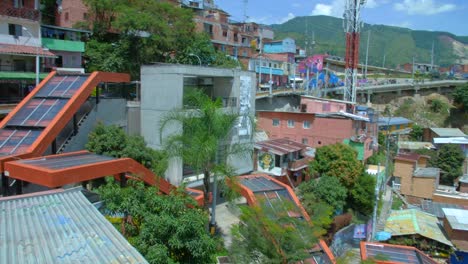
[
  {"x": 321, "y": 213},
  {"x": 143, "y": 37},
  {"x": 269, "y": 235},
  {"x": 449, "y": 160},
  {"x": 416, "y": 132},
  {"x": 327, "y": 189},
  {"x": 161, "y": 227},
  {"x": 206, "y": 130},
  {"x": 460, "y": 97},
  {"x": 112, "y": 141},
  {"x": 338, "y": 160},
  {"x": 362, "y": 195}
]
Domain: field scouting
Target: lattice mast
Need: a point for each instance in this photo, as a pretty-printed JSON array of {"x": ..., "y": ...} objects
[{"x": 352, "y": 26}]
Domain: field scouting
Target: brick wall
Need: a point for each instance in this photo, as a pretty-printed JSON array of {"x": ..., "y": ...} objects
[
  {"x": 73, "y": 11},
  {"x": 322, "y": 131},
  {"x": 322, "y": 106},
  {"x": 423, "y": 187},
  {"x": 404, "y": 170}
]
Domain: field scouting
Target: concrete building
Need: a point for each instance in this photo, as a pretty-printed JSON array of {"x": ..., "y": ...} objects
[
  {"x": 285, "y": 160},
  {"x": 413, "y": 178},
  {"x": 394, "y": 125},
  {"x": 456, "y": 227},
  {"x": 287, "y": 45},
  {"x": 67, "y": 44},
  {"x": 441, "y": 132},
  {"x": 21, "y": 49},
  {"x": 420, "y": 67},
  {"x": 70, "y": 12},
  {"x": 162, "y": 90}
]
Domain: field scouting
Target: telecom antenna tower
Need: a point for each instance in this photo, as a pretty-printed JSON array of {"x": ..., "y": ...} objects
[{"x": 352, "y": 26}]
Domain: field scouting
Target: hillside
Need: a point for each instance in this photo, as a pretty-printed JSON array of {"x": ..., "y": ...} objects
[{"x": 398, "y": 44}]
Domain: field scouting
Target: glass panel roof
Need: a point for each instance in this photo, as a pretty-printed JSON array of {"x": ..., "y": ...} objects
[
  {"x": 62, "y": 86},
  {"x": 37, "y": 112},
  {"x": 62, "y": 162},
  {"x": 16, "y": 141}
]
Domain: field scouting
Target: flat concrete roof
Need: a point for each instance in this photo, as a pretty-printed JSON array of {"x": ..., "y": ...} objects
[
  {"x": 190, "y": 70},
  {"x": 457, "y": 218}
]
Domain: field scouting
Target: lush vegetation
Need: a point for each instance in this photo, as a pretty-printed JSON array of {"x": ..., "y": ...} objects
[
  {"x": 266, "y": 236},
  {"x": 398, "y": 45},
  {"x": 129, "y": 34},
  {"x": 449, "y": 160},
  {"x": 164, "y": 228},
  {"x": 342, "y": 184},
  {"x": 460, "y": 97},
  {"x": 204, "y": 143},
  {"x": 112, "y": 141}
]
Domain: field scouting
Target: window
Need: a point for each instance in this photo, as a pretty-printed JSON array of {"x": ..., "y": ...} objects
[
  {"x": 66, "y": 16},
  {"x": 236, "y": 37},
  {"x": 290, "y": 123},
  {"x": 306, "y": 124},
  {"x": 85, "y": 16},
  {"x": 224, "y": 33},
  {"x": 305, "y": 141},
  {"x": 276, "y": 122},
  {"x": 15, "y": 30}
]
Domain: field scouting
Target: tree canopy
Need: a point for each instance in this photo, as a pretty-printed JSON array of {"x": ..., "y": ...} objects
[
  {"x": 112, "y": 141},
  {"x": 327, "y": 189},
  {"x": 337, "y": 160},
  {"x": 460, "y": 97},
  {"x": 449, "y": 160},
  {"x": 162, "y": 227},
  {"x": 267, "y": 235},
  {"x": 362, "y": 195}
]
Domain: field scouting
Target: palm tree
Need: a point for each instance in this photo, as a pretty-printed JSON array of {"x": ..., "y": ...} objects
[{"x": 205, "y": 141}]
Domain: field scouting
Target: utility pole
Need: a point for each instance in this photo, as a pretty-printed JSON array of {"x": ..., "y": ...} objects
[
  {"x": 383, "y": 62},
  {"x": 352, "y": 25},
  {"x": 367, "y": 54},
  {"x": 412, "y": 70}
]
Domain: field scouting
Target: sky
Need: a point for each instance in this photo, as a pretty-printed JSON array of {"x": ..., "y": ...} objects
[{"x": 434, "y": 15}]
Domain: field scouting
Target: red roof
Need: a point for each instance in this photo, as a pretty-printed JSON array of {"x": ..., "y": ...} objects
[
  {"x": 409, "y": 156},
  {"x": 24, "y": 50}
]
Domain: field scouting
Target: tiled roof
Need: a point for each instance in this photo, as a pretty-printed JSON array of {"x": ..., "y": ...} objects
[
  {"x": 24, "y": 50},
  {"x": 59, "y": 227}
]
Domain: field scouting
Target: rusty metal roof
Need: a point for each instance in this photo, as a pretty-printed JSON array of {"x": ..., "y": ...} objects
[
  {"x": 414, "y": 221},
  {"x": 59, "y": 227},
  {"x": 280, "y": 146}
]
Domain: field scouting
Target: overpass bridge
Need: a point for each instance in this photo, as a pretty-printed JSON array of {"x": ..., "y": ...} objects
[{"x": 370, "y": 89}]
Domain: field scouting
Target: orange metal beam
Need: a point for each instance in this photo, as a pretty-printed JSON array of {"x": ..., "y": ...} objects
[{"x": 54, "y": 178}]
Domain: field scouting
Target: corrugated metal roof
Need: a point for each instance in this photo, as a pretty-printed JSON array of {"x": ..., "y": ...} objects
[
  {"x": 435, "y": 208},
  {"x": 383, "y": 121},
  {"x": 413, "y": 221},
  {"x": 448, "y": 132},
  {"x": 413, "y": 145},
  {"x": 451, "y": 140},
  {"x": 280, "y": 146},
  {"x": 400, "y": 254},
  {"x": 59, "y": 227},
  {"x": 426, "y": 172}
]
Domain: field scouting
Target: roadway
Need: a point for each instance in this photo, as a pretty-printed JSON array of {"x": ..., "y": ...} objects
[{"x": 381, "y": 88}]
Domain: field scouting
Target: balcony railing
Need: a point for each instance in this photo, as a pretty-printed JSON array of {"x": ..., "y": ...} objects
[
  {"x": 23, "y": 12},
  {"x": 299, "y": 164}
]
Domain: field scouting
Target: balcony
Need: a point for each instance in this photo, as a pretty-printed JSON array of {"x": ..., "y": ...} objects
[
  {"x": 23, "y": 12},
  {"x": 299, "y": 164}
]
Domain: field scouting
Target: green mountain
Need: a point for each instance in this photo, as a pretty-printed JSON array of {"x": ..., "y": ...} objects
[{"x": 397, "y": 45}]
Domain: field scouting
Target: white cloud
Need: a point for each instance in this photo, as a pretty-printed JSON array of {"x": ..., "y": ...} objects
[
  {"x": 335, "y": 8},
  {"x": 423, "y": 7},
  {"x": 371, "y": 4},
  {"x": 403, "y": 24},
  {"x": 286, "y": 18}
]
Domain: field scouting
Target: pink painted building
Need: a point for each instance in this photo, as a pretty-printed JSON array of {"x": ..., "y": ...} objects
[
  {"x": 317, "y": 130},
  {"x": 316, "y": 105}
]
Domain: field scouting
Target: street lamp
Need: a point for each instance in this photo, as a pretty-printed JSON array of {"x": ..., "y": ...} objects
[
  {"x": 199, "y": 60},
  {"x": 37, "y": 55}
]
